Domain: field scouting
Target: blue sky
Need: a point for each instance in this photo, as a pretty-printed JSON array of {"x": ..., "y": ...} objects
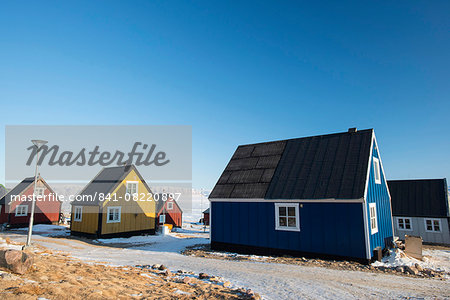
[{"x": 239, "y": 72}]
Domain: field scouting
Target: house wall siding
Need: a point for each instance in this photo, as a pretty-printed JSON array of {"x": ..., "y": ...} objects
[
  {"x": 325, "y": 228},
  {"x": 89, "y": 220},
  {"x": 135, "y": 215},
  {"x": 378, "y": 193},
  {"x": 418, "y": 229}
]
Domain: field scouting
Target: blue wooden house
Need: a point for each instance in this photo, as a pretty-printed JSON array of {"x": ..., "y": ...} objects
[{"x": 320, "y": 196}]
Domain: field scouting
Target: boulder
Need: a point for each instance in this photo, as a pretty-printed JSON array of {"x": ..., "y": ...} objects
[
  {"x": 162, "y": 267},
  {"x": 156, "y": 266},
  {"x": 418, "y": 267},
  {"x": 411, "y": 270},
  {"x": 203, "y": 276},
  {"x": 15, "y": 260}
]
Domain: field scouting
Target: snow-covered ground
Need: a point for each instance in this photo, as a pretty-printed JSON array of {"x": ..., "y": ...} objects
[
  {"x": 273, "y": 281},
  {"x": 438, "y": 260},
  {"x": 46, "y": 230}
]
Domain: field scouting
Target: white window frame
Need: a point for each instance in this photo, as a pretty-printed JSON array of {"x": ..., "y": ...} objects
[
  {"x": 39, "y": 192},
  {"x": 128, "y": 189},
  {"x": 169, "y": 205},
  {"x": 162, "y": 218},
  {"x": 20, "y": 212},
  {"x": 404, "y": 224},
  {"x": 376, "y": 170},
  {"x": 109, "y": 211},
  {"x": 432, "y": 225},
  {"x": 75, "y": 209},
  {"x": 373, "y": 218},
  {"x": 277, "y": 217}
]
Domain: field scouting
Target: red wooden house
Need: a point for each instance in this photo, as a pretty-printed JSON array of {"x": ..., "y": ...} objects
[
  {"x": 205, "y": 220},
  {"x": 168, "y": 212},
  {"x": 15, "y": 206}
]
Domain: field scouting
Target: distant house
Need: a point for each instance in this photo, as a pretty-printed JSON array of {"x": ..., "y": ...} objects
[
  {"x": 421, "y": 208},
  {"x": 168, "y": 211},
  {"x": 3, "y": 191},
  {"x": 206, "y": 217},
  {"x": 117, "y": 202},
  {"x": 16, "y": 204},
  {"x": 319, "y": 196}
]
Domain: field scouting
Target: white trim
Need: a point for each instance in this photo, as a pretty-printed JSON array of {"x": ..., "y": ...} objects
[
  {"x": 369, "y": 162},
  {"x": 162, "y": 218},
  {"x": 376, "y": 170},
  {"x": 397, "y": 219},
  {"x": 75, "y": 213},
  {"x": 364, "y": 204},
  {"x": 108, "y": 211},
  {"x": 329, "y": 200},
  {"x": 432, "y": 225},
  {"x": 171, "y": 205},
  {"x": 373, "y": 207},
  {"x": 277, "y": 217},
  {"x": 21, "y": 213},
  {"x": 366, "y": 231},
  {"x": 385, "y": 181},
  {"x": 384, "y": 175},
  {"x": 132, "y": 182},
  {"x": 39, "y": 192}
]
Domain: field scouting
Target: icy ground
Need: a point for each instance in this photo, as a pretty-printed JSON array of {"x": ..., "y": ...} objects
[
  {"x": 438, "y": 260},
  {"x": 272, "y": 281}
]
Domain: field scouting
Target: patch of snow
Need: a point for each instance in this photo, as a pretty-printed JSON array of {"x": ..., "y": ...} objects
[
  {"x": 438, "y": 260},
  {"x": 180, "y": 292},
  {"x": 5, "y": 245}
]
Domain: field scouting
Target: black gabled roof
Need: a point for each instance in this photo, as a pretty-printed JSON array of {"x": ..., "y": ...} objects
[
  {"x": 160, "y": 203},
  {"x": 3, "y": 191},
  {"x": 20, "y": 188},
  {"x": 332, "y": 166},
  {"x": 17, "y": 190},
  {"x": 419, "y": 198},
  {"x": 105, "y": 181}
]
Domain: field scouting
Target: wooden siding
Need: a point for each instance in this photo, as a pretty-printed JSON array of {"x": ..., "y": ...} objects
[
  {"x": 174, "y": 216},
  {"x": 135, "y": 215},
  {"x": 418, "y": 229},
  {"x": 89, "y": 220},
  {"x": 46, "y": 212},
  {"x": 378, "y": 193},
  {"x": 325, "y": 228}
]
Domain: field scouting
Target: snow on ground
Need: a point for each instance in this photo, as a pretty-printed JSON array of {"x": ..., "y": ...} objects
[
  {"x": 438, "y": 260},
  {"x": 46, "y": 230},
  {"x": 273, "y": 281}
]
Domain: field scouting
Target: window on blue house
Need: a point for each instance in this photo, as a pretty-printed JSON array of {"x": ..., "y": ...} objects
[
  {"x": 373, "y": 218},
  {"x": 287, "y": 216},
  {"x": 376, "y": 170}
]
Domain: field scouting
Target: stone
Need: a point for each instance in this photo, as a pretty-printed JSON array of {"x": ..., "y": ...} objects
[
  {"x": 187, "y": 280},
  {"x": 411, "y": 270},
  {"x": 167, "y": 273},
  {"x": 418, "y": 267},
  {"x": 156, "y": 266},
  {"x": 203, "y": 276},
  {"x": 162, "y": 267},
  {"x": 400, "y": 269},
  {"x": 227, "y": 284},
  {"x": 16, "y": 261}
]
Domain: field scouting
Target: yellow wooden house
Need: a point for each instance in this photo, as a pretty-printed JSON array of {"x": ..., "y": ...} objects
[{"x": 116, "y": 203}]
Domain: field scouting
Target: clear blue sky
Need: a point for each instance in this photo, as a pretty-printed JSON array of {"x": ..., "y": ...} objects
[{"x": 238, "y": 72}]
